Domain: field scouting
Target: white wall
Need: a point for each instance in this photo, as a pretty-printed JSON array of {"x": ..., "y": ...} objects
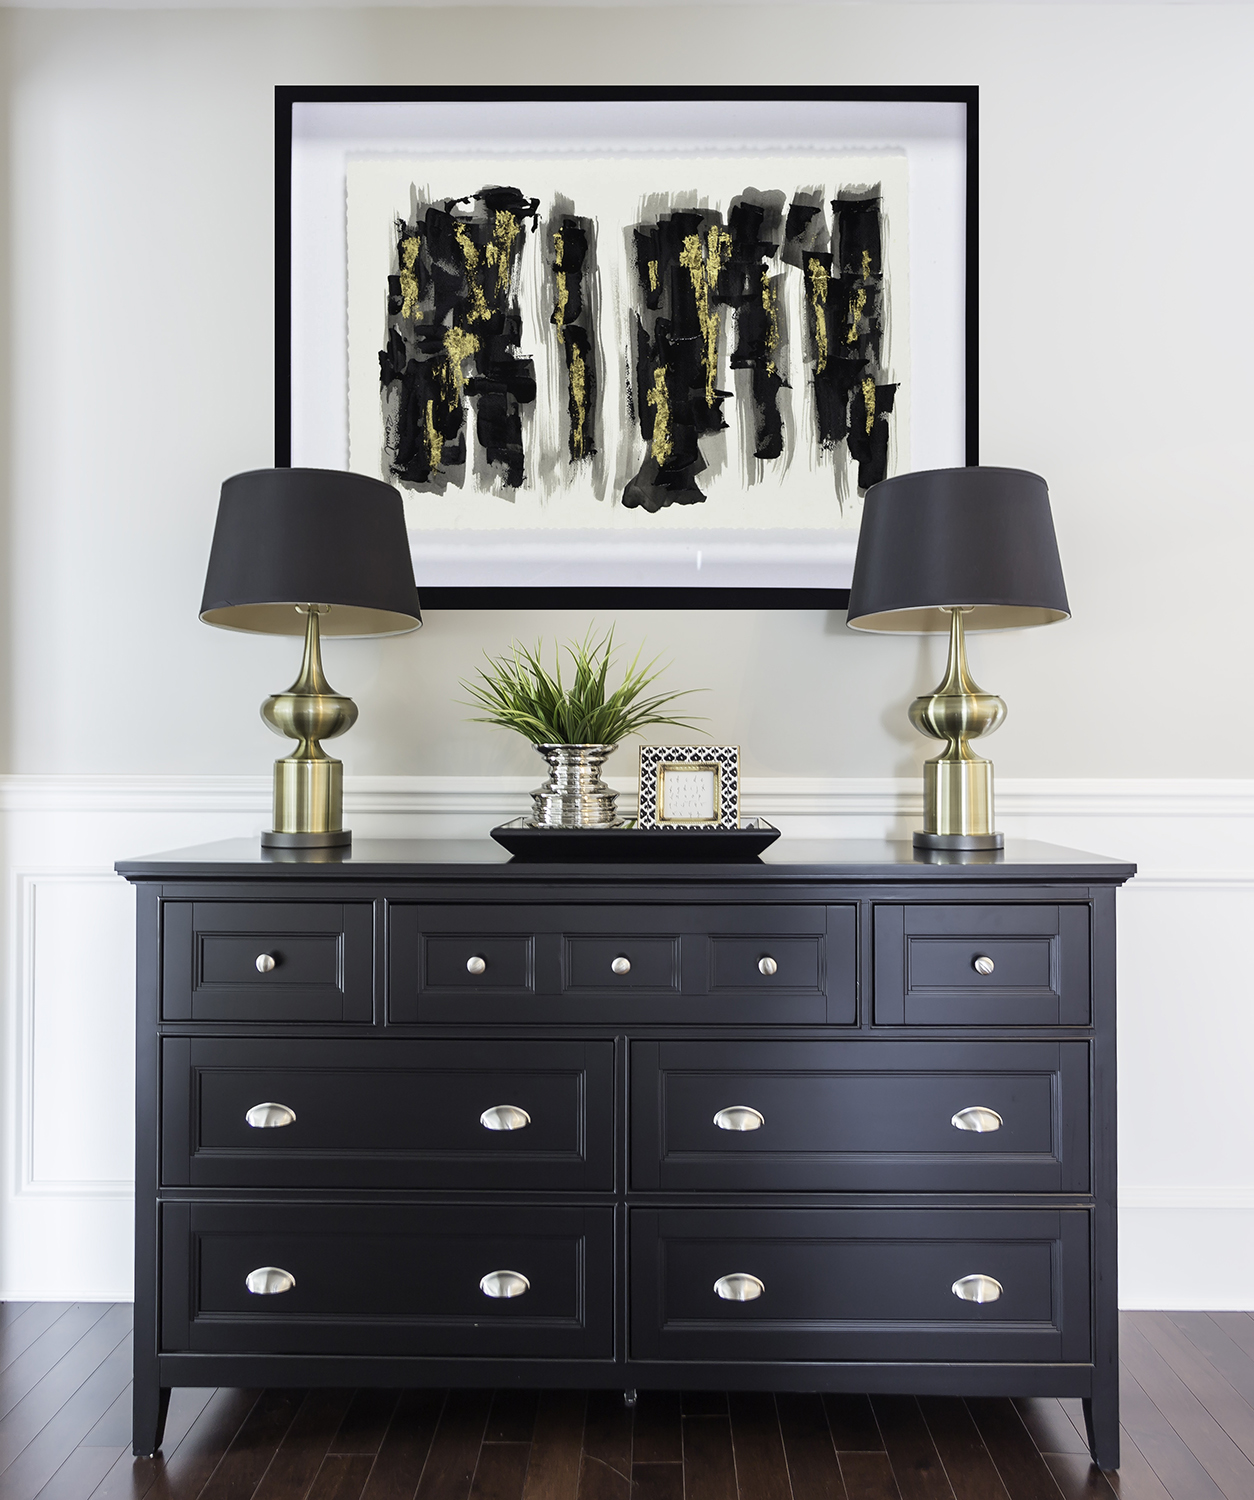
[{"x": 136, "y": 301}]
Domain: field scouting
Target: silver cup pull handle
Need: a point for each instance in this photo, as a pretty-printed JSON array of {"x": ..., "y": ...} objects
[
  {"x": 984, "y": 965},
  {"x": 977, "y": 1117},
  {"x": 767, "y": 965},
  {"x": 977, "y": 1288},
  {"x": 265, "y": 962},
  {"x": 505, "y": 1117},
  {"x": 476, "y": 965},
  {"x": 740, "y": 1117},
  {"x": 621, "y": 965},
  {"x": 739, "y": 1287},
  {"x": 270, "y": 1116},
  {"x": 504, "y": 1284},
  {"x": 269, "y": 1281}
]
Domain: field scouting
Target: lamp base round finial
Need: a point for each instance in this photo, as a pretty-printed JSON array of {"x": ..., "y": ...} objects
[{"x": 924, "y": 840}]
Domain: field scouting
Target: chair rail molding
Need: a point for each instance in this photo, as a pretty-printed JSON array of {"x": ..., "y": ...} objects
[{"x": 1188, "y": 1188}]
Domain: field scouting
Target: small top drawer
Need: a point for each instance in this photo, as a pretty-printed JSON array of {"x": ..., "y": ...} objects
[
  {"x": 267, "y": 961},
  {"x": 959, "y": 965}
]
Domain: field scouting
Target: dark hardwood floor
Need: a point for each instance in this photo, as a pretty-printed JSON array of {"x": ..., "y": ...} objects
[{"x": 1188, "y": 1411}]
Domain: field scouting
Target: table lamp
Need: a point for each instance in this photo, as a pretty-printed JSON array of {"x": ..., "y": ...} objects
[
  {"x": 957, "y": 550},
  {"x": 310, "y": 552}
]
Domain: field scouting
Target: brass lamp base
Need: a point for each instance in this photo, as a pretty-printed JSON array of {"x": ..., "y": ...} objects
[
  {"x": 309, "y": 784},
  {"x": 957, "y": 784}
]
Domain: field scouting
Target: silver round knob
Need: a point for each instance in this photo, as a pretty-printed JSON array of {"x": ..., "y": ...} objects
[
  {"x": 984, "y": 965},
  {"x": 767, "y": 966},
  {"x": 621, "y": 965},
  {"x": 476, "y": 965},
  {"x": 265, "y": 962}
]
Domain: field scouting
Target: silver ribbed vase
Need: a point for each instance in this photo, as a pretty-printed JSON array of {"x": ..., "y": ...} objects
[{"x": 574, "y": 795}]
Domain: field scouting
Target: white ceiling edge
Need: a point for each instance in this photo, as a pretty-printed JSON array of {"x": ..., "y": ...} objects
[{"x": 249, "y": 5}]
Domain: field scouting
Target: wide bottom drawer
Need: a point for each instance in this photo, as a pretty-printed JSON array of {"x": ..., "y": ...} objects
[
  {"x": 860, "y": 1284},
  {"x": 433, "y": 1279}
]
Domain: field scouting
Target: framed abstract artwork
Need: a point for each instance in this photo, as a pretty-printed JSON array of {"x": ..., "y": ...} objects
[{"x": 627, "y": 347}]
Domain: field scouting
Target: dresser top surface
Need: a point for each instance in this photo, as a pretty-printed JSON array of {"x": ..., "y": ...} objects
[{"x": 829, "y": 860}]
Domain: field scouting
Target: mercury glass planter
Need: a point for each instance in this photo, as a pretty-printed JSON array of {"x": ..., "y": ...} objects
[{"x": 574, "y": 795}]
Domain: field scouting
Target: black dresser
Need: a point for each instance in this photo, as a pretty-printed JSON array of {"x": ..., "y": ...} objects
[{"x": 840, "y": 1120}]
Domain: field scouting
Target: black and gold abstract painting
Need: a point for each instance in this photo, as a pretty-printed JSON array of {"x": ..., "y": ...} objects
[{"x": 712, "y": 343}]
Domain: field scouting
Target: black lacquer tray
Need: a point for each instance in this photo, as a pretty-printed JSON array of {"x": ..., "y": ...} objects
[{"x": 639, "y": 845}]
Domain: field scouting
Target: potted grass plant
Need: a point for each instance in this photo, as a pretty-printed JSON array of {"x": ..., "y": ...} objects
[{"x": 575, "y": 721}]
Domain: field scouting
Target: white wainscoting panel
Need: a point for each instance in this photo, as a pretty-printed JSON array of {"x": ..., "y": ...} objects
[{"x": 1186, "y": 1007}]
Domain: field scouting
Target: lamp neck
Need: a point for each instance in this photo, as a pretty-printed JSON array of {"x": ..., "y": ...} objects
[
  {"x": 311, "y": 681},
  {"x": 957, "y": 678}
]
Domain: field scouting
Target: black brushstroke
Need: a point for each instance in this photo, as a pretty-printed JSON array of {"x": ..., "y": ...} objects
[
  {"x": 459, "y": 290},
  {"x": 577, "y": 262},
  {"x": 754, "y": 229}
]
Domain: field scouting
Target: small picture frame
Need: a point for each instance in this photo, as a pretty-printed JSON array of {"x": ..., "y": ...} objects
[{"x": 689, "y": 786}]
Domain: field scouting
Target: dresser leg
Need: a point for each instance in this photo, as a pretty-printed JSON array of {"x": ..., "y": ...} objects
[
  {"x": 151, "y": 1403},
  {"x": 1101, "y": 1420},
  {"x": 629, "y": 1397}
]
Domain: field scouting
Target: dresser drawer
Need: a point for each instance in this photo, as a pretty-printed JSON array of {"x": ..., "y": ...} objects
[
  {"x": 859, "y": 1284},
  {"x": 623, "y": 964},
  {"x": 860, "y": 1116},
  {"x": 1033, "y": 965},
  {"x": 267, "y": 961},
  {"x": 374, "y": 1279},
  {"x": 491, "y": 1114}
]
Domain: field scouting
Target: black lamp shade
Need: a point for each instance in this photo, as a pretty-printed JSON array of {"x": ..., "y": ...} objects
[
  {"x": 983, "y": 538},
  {"x": 310, "y": 536}
]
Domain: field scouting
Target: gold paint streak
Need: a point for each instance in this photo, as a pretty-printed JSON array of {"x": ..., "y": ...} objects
[
  {"x": 479, "y": 309},
  {"x": 855, "y": 314},
  {"x": 704, "y": 271},
  {"x": 818, "y": 301},
  {"x": 653, "y": 276},
  {"x": 409, "y": 282},
  {"x": 435, "y": 443},
  {"x": 868, "y": 396},
  {"x": 458, "y": 346},
  {"x": 658, "y": 399},
  {"x": 501, "y": 250},
  {"x": 579, "y": 399},
  {"x": 866, "y": 265},
  {"x": 770, "y": 306},
  {"x": 563, "y": 294}
]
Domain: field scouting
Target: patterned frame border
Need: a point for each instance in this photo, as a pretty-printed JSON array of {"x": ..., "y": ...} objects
[{"x": 654, "y": 761}]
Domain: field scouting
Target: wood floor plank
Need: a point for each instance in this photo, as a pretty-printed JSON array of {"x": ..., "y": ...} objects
[
  {"x": 607, "y": 1432},
  {"x": 704, "y": 1403},
  {"x": 968, "y": 1463},
  {"x": 1023, "y": 1471},
  {"x": 1216, "y": 1393},
  {"x": 45, "y": 1353},
  {"x": 80, "y": 1474},
  {"x": 868, "y": 1476},
  {"x": 513, "y": 1416},
  {"x": 1206, "y": 1336},
  {"x": 1182, "y": 1476},
  {"x": 1077, "y": 1478},
  {"x": 113, "y": 1429},
  {"x": 365, "y": 1422},
  {"x": 254, "y": 1446},
  {"x": 129, "y": 1476},
  {"x": 597, "y": 1481},
  {"x": 1134, "y": 1479},
  {"x": 556, "y": 1445},
  {"x": 1239, "y": 1327},
  {"x": 18, "y": 1336},
  {"x": 501, "y": 1471},
  {"x": 1218, "y": 1454},
  {"x": 342, "y": 1476},
  {"x": 812, "y": 1465},
  {"x": 403, "y": 1454},
  {"x": 657, "y": 1437},
  {"x": 305, "y": 1444},
  {"x": 853, "y": 1425},
  {"x": 48, "y": 1450},
  {"x": 709, "y": 1465},
  {"x": 917, "y": 1467},
  {"x": 758, "y": 1447},
  {"x": 186, "y": 1471},
  {"x": 1049, "y": 1426},
  {"x": 657, "y": 1482},
  {"x": 450, "y": 1465}
]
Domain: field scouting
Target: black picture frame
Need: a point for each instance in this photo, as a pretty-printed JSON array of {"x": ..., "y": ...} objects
[{"x": 601, "y": 597}]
